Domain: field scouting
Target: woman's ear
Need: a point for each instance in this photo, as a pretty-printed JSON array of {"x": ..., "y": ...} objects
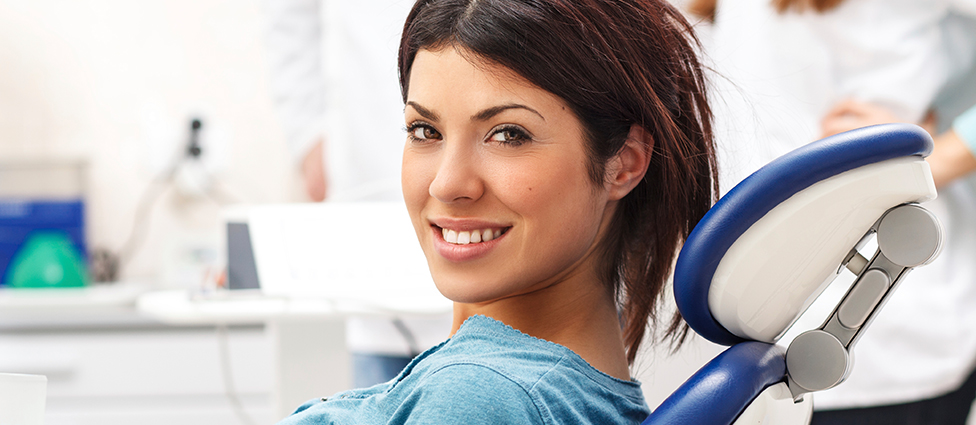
[{"x": 627, "y": 168}]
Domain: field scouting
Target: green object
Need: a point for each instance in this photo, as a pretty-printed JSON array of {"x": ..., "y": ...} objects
[{"x": 47, "y": 259}]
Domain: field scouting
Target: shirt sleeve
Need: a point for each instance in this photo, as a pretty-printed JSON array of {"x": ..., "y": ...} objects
[
  {"x": 965, "y": 127},
  {"x": 296, "y": 80},
  {"x": 468, "y": 394}
]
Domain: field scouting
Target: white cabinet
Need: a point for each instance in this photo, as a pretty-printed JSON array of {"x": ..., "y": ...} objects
[{"x": 129, "y": 369}]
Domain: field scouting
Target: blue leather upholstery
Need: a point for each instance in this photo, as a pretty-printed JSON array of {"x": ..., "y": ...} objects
[
  {"x": 751, "y": 199},
  {"x": 721, "y": 389}
]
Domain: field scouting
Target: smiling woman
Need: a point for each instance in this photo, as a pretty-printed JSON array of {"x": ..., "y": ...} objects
[
  {"x": 557, "y": 154},
  {"x": 493, "y": 152}
]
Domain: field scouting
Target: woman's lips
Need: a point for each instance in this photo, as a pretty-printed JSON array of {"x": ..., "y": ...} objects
[{"x": 466, "y": 242}]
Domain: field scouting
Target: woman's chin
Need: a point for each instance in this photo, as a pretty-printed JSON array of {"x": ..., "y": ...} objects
[{"x": 468, "y": 292}]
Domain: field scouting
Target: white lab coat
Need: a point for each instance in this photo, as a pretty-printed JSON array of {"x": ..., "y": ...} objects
[
  {"x": 334, "y": 75},
  {"x": 779, "y": 75}
]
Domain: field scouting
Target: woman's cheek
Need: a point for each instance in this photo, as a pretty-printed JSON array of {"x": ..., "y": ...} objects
[
  {"x": 518, "y": 182},
  {"x": 415, "y": 181}
]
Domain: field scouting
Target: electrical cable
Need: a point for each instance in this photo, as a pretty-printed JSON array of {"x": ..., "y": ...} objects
[
  {"x": 156, "y": 187},
  {"x": 229, "y": 388},
  {"x": 140, "y": 225}
]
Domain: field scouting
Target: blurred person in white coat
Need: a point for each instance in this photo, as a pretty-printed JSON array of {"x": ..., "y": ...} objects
[
  {"x": 334, "y": 80},
  {"x": 786, "y": 69}
]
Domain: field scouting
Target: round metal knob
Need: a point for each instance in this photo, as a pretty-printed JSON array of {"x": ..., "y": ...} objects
[
  {"x": 910, "y": 235},
  {"x": 816, "y": 360}
]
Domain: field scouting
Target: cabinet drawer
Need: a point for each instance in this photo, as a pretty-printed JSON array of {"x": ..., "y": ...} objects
[{"x": 140, "y": 362}]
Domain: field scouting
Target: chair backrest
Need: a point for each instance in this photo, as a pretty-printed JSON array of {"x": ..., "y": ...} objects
[{"x": 773, "y": 243}]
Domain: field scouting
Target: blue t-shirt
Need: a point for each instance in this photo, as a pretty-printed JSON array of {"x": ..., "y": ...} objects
[{"x": 487, "y": 373}]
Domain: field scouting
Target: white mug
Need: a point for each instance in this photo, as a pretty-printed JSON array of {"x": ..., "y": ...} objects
[{"x": 22, "y": 399}]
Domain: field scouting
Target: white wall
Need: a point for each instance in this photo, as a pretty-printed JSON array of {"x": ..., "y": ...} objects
[{"x": 115, "y": 82}]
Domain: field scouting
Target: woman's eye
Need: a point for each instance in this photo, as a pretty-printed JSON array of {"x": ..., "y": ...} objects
[
  {"x": 512, "y": 136},
  {"x": 423, "y": 132}
]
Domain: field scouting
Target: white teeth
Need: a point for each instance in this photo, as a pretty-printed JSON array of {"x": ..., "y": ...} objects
[{"x": 469, "y": 237}]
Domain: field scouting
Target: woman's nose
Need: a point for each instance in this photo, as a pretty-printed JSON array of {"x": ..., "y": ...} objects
[{"x": 457, "y": 179}]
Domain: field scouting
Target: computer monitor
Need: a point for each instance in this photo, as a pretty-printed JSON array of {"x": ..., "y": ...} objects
[{"x": 357, "y": 253}]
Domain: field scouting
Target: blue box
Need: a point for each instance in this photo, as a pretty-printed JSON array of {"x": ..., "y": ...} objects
[{"x": 20, "y": 217}]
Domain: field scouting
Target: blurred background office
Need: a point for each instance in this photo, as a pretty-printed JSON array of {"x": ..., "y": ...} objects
[
  {"x": 111, "y": 88},
  {"x": 116, "y": 85}
]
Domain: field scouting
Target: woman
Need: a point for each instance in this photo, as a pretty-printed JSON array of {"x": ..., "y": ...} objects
[{"x": 558, "y": 152}]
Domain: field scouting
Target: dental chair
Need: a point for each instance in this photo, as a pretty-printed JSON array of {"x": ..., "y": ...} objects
[{"x": 769, "y": 247}]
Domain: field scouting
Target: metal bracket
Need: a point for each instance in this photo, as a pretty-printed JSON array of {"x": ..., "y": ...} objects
[{"x": 908, "y": 236}]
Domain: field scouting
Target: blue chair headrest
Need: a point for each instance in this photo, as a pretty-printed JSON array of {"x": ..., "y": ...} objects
[{"x": 759, "y": 193}]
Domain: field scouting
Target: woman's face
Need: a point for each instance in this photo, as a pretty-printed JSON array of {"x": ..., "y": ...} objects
[{"x": 495, "y": 180}]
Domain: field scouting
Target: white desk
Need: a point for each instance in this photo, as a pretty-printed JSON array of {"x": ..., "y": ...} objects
[
  {"x": 318, "y": 264},
  {"x": 308, "y": 335}
]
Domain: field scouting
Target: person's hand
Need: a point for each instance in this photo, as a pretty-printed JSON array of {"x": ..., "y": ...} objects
[
  {"x": 850, "y": 114},
  {"x": 950, "y": 158},
  {"x": 313, "y": 172}
]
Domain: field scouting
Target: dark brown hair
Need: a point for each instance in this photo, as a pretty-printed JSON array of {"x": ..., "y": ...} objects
[
  {"x": 615, "y": 63},
  {"x": 706, "y": 8}
]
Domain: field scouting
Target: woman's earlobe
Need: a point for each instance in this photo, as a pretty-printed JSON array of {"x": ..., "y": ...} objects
[{"x": 628, "y": 167}]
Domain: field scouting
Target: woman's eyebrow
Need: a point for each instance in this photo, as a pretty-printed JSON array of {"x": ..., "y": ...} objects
[
  {"x": 495, "y": 110},
  {"x": 424, "y": 112},
  {"x": 484, "y": 115}
]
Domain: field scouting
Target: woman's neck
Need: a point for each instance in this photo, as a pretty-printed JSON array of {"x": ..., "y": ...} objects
[{"x": 582, "y": 318}]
